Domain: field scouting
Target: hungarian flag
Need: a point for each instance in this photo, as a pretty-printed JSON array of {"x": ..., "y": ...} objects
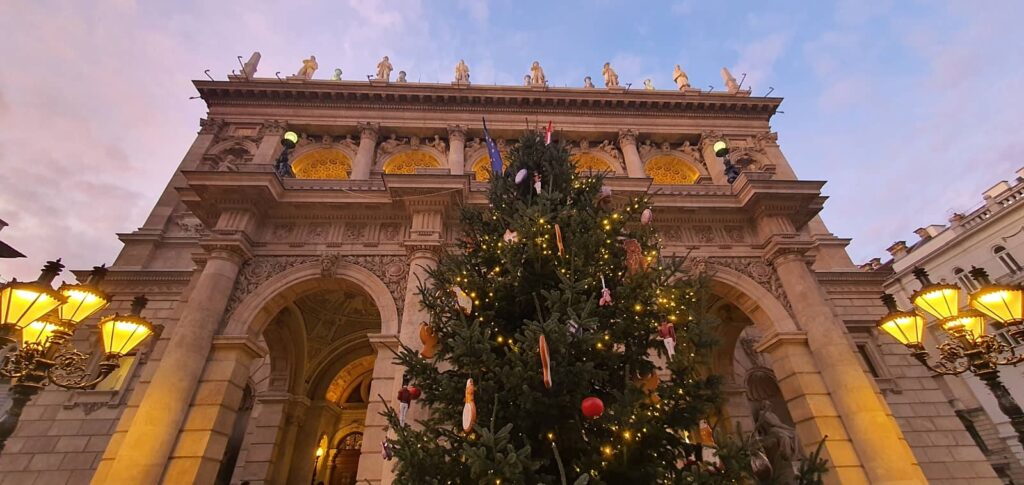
[
  {"x": 547, "y": 135},
  {"x": 492, "y": 151}
]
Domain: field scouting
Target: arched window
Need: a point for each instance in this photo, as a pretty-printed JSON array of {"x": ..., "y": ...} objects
[
  {"x": 964, "y": 279},
  {"x": 1007, "y": 259}
]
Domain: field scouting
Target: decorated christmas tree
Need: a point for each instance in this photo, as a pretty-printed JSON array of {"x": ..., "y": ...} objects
[{"x": 562, "y": 347}]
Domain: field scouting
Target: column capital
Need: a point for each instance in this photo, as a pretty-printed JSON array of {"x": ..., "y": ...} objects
[
  {"x": 273, "y": 127},
  {"x": 627, "y": 136},
  {"x": 368, "y": 130},
  {"x": 210, "y": 126},
  {"x": 423, "y": 249},
  {"x": 234, "y": 247},
  {"x": 778, "y": 339},
  {"x": 709, "y": 137},
  {"x": 779, "y": 250},
  {"x": 239, "y": 342},
  {"x": 384, "y": 341},
  {"x": 456, "y": 133}
]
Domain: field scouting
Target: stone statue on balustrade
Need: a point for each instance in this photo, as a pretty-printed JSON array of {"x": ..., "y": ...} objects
[
  {"x": 384, "y": 69},
  {"x": 778, "y": 441},
  {"x": 401, "y": 77},
  {"x": 337, "y": 75},
  {"x": 526, "y": 80},
  {"x": 730, "y": 82},
  {"x": 309, "y": 66},
  {"x": 249, "y": 68},
  {"x": 648, "y": 85},
  {"x": 462, "y": 72},
  {"x": 681, "y": 79},
  {"x": 537, "y": 75},
  {"x": 611, "y": 79},
  {"x": 587, "y": 83},
  {"x": 438, "y": 144}
]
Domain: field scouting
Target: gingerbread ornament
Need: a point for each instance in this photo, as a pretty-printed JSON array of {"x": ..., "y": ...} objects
[
  {"x": 429, "y": 340},
  {"x": 469, "y": 409}
]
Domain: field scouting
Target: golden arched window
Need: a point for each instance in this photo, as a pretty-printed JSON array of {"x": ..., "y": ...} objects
[
  {"x": 407, "y": 162},
  {"x": 482, "y": 166},
  {"x": 671, "y": 170},
  {"x": 325, "y": 163},
  {"x": 588, "y": 162}
]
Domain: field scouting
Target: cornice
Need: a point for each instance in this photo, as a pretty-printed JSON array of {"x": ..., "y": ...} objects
[{"x": 483, "y": 99}]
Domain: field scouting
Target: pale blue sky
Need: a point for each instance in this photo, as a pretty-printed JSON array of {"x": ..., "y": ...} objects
[{"x": 908, "y": 109}]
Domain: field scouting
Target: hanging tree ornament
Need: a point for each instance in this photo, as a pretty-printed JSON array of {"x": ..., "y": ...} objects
[
  {"x": 635, "y": 261},
  {"x": 649, "y": 384},
  {"x": 646, "y": 216},
  {"x": 464, "y": 301},
  {"x": 573, "y": 328},
  {"x": 606, "y": 294},
  {"x": 536, "y": 182},
  {"x": 429, "y": 339},
  {"x": 667, "y": 334},
  {"x": 592, "y": 407},
  {"x": 545, "y": 360},
  {"x": 510, "y": 236},
  {"x": 558, "y": 240},
  {"x": 520, "y": 176},
  {"x": 404, "y": 399},
  {"x": 469, "y": 409}
]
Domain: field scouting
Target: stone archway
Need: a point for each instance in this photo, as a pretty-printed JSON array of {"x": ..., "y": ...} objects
[{"x": 316, "y": 324}]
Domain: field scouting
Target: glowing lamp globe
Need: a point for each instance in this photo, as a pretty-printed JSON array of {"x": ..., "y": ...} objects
[
  {"x": 82, "y": 302},
  {"x": 290, "y": 139},
  {"x": 905, "y": 327},
  {"x": 970, "y": 324},
  {"x": 24, "y": 303},
  {"x": 939, "y": 299},
  {"x": 122, "y": 333},
  {"x": 1000, "y": 302},
  {"x": 721, "y": 148},
  {"x": 40, "y": 331}
]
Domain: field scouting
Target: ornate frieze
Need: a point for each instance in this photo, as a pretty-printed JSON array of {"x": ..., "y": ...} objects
[
  {"x": 334, "y": 233},
  {"x": 704, "y": 234},
  {"x": 393, "y": 270},
  {"x": 756, "y": 269}
]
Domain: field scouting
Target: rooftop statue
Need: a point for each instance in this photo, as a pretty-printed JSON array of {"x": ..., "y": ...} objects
[
  {"x": 537, "y": 75},
  {"x": 462, "y": 72},
  {"x": 337, "y": 75},
  {"x": 526, "y": 80},
  {"x": 682, "y": 81},
  {"x": 730, "y": 82},
  {"x": 309, "y": 66},
  {"x": 648, "y": 85},
  {"x": 587, "y": 83},
  {"x": 249, "y": 68},
  {"x": 611, "y": 79},
  {"x": 384, "y": 69},
  {"x": 401, "y": 77}
]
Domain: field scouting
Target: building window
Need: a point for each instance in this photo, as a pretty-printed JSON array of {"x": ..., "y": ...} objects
[
  {"x": 864, "y": 355},
  {"x": 963, "y": 279},
  {"x": 116, "y": 379},
  {"x": 1009, "y": 262}
]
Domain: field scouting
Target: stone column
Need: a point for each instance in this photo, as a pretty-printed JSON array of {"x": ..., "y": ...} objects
[
  {"x": 877, "y": 440},
  {"x": 715, "y": 166},
  {"x": 321, "y": 418},
  {"x": 367, "y": 148},
  {"x": 456, "y": 149},
  {"x": 200, "y": 446},
  {"x": 627, "y": 143},
  {"x": 147, "y": 445},
  {"x": 385, "y": 382}
]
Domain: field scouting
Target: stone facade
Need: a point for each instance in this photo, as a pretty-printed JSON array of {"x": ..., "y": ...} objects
[
  {"x": 989, "y": 237},
  {"x": 283, "y": 298}
]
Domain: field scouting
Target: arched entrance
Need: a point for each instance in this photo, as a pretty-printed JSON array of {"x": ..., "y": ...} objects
[{"x": 312, "y": 388}]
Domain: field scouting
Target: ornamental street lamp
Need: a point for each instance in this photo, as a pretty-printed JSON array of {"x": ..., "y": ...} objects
[
  {"x": 722, "y": 150},
  {"x": 45, "y": 319},
  {"x": 281, "y": 166},
  {"x": 968, "y": 347}
]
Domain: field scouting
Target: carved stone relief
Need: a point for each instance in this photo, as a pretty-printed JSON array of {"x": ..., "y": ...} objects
[
  {"x": 392, "y": 270},
  {"x": 186, "y": 224},
  {"x": 704, "y": 234},
  {"x": 756, "y": 269},
  {"x": 333, "y": 233}
]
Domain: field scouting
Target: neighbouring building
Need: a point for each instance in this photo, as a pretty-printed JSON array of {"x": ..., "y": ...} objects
[
  {"x": 990, "y": 237},
  {"x": 282, "y": 299}
]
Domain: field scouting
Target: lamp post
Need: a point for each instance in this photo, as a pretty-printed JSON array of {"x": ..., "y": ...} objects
[
  {"x": 722, "y": 150},
  {"x": 43, "y": 320},
  {"x": 968, "y": 347},
  {"x": 281, "y": 166},
  {"x": 316, "y": 461}
]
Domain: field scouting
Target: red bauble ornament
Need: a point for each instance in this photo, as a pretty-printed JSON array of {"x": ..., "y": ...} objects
[
  {"x": 592, "y": 407},
  {"x": 414, "y": 392}
]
